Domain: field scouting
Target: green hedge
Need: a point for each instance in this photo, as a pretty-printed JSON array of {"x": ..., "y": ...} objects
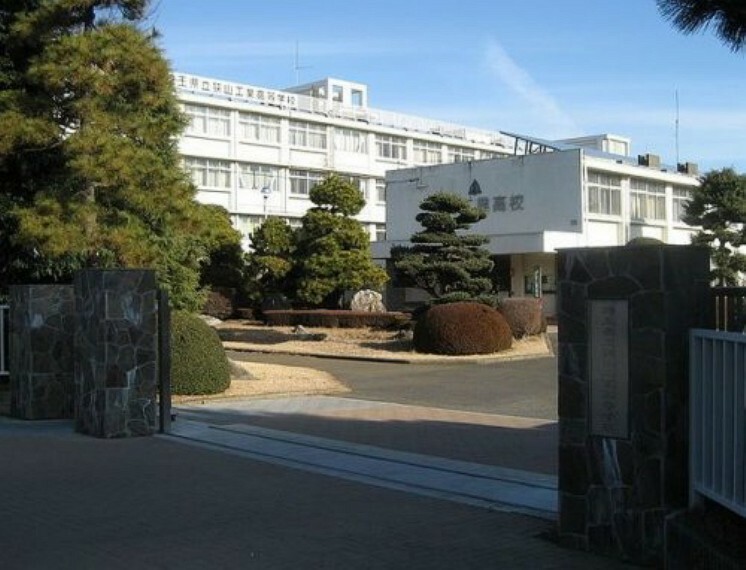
[{"x": 198, "y": 361}]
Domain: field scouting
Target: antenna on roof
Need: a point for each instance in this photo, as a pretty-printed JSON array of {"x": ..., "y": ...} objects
[
  {"x": 676, "y": 93},
  {"x": 297, "y": 65}
]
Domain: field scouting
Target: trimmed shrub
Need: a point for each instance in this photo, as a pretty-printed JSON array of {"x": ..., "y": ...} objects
[
  {"x": 335, "y": 319},
  {"x": 198, "y": 361},
  {"x": 219, "y": 303},
  {"x": 524, "y": 315},
  {"x": 462, "y": 328}
]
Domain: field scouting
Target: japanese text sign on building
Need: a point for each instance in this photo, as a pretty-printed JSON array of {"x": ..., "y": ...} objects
[
  {"x": 235, "y": 91},
  {"x": 511, "y": 203}
]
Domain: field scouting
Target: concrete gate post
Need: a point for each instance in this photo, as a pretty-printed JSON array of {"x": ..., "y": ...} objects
[{"x": 624, "y": 315}]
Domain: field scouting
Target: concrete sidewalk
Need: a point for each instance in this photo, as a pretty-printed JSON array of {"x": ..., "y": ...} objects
[{"x": 71, "y": 501}]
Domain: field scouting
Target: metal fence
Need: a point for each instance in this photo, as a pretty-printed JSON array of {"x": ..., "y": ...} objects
[
  {"x": 729, "y": 306},
  {"x": 4, "y": 339},
  {"x": 717, "y": 418}
]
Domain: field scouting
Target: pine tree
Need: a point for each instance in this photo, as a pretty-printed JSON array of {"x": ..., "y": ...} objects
[
  {"x": 271, "y": 259},
  {"x": 90, "y": 173},
  {"x": 728, "y": 17},
  {"x": 332, "y": 248},
  {"x": 719, "y": 207},
  {"x": 447, "y": 263}
]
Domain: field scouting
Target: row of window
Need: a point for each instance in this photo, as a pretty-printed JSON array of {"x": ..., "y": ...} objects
[
  {"x": 247, "y": 224},
  {"x": 211, "y": 121},
  {"x": 647, "y": 197},
  {"x": 210, "y": 173}
]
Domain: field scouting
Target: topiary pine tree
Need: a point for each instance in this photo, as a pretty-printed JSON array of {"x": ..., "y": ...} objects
[
  {"x": 271, "y": 260},
  {"x": 332, "y": 249},
  {"x": 90, "y": 173},
  {"x": 718, "y": 205},
  {"x": 444, "y": 261}
]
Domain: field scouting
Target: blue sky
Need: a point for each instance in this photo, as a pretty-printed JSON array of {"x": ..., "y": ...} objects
[{"x": 547, "y": 68}]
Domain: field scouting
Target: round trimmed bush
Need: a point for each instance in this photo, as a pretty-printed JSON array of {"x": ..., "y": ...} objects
[
  {"x": 462, "y": 328},
  {"x": 198, "y": 361},
  {"x": 524, "y": 315}
]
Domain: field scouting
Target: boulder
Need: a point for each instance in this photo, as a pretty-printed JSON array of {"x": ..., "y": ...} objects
[{"x": 368, "y": 301}]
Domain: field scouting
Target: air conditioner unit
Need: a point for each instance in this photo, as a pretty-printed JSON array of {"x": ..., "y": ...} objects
[
  {"x": 649, "y": 160},
  {"x": 688, "y": 168}
]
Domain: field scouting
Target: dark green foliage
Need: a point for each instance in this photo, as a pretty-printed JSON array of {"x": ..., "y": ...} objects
[
  {"x": 226, "y": 265},
  {"x": 332, "y": 250},
  {"x": 719, "y": 207},
  {"x": 271, "y": 260},
  {"x": 450, "y": 265},
  {"x": 337, "y": 319},
  {"x": 728, "y": 17},
  {"x": 90, "y": 173},
  {"x": 524, "y": 315},
  {"x": 198, "y": 361},
  {"x": 462, "y": 328}
]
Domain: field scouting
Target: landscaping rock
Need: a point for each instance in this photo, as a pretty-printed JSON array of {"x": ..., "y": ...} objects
[{"x": 369, "y": 301}]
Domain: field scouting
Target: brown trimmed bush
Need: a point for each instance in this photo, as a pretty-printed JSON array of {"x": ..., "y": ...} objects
[
  {"x": 524, "y": 315},
  {"x": 219, "y": 303},
  {"x": 335, "y": 319},
  {"x": 462, "y": 328},
  {"x": 198, "y": 361}
]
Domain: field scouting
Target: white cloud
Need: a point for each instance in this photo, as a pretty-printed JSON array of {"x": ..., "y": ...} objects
[{"x": 540, "y": 104}]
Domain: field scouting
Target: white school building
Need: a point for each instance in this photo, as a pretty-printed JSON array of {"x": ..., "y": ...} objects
[
  {"x": 258, "y": 151},
  {"x": 567, "y": 196}
]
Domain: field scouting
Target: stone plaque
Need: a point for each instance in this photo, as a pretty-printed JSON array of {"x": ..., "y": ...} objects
[{"x": 609, "y": 368}]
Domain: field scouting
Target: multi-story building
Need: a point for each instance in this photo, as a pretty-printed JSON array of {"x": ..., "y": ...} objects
[
  {"x": 574, "y": 194},
  {"x": 257, "y": 152}
]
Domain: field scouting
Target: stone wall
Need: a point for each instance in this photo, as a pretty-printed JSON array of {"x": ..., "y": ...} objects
[
  {"x": 623, "y": 464},
  {"x": 116, "y": 373},
  {"x": 41, "y": 351}
]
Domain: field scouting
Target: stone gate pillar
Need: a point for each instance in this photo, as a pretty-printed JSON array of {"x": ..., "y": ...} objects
[
  {"x": 624, "y": 315},
  {"x": 116, "y": 374},
  {"x": 41, "y": 351}
]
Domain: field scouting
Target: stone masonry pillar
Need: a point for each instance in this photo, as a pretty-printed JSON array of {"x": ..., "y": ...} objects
[
  {"x": 116, "y": 376},
  {"x": 624, "y": 314}
]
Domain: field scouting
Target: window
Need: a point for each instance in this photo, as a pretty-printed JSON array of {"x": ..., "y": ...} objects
[
  {"x": 301, "y": 181},
  {"x": 208, "y": 121},
  {"x": 209, "y": 173},
  {"x": 357, "y": 98},
  {"x": 247, "y": 225},
  {"x": 380, "y": 191},
  {"x": 391, "y": 147},
  {"x": 259, "y": 128},
  {"x": 427, "y": 153},
  {"x": 257, "y": 176},
  {"x": 309, "y": 135},
  {"x": 349, "y": 140},
  {"x": 380, "y": 232},
  {"x": 337, "y": 93},
  {"x": 681, "y": 197},
  {"x": 648, "y": 200},
  {"x": 456, "y": 154},
  {"x": 604, "y": 194},
  {"x": 486, "y": 154}
]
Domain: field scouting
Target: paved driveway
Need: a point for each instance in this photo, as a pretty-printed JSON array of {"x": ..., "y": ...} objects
[{"x": 526, "y": 388}]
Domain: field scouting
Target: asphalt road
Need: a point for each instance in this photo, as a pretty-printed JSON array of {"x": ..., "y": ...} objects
[{"x": 525, "y": 388}]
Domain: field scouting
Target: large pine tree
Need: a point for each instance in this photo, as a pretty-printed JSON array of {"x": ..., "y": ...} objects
[
  {"x": 446, "y": 262},
  {"x": 719, "y": 208},
  {"x": 332, "y": 250},
  {"x": 90, "y": 173}
]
